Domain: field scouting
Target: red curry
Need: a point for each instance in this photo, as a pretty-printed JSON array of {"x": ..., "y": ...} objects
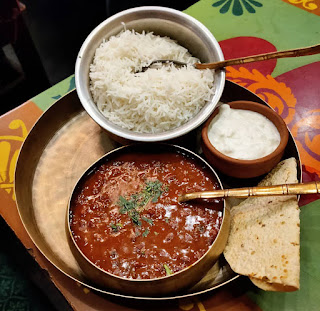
[{"x": 126, "y": 219}]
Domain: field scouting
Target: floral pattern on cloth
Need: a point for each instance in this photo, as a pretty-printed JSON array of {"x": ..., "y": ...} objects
[
  {"x": 237, "y": 7},
  {"x": 9, "y": 155},
  {"x": 311, "y": 6}
]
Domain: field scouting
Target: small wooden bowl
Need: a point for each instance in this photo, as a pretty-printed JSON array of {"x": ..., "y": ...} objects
[{"x": 246, "y": 168}]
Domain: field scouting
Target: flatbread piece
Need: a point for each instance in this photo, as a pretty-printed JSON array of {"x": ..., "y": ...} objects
[{"x": 264, "y": 240}]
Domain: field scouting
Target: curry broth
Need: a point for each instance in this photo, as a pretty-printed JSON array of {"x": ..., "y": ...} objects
[{"x": 125, "y": 216}]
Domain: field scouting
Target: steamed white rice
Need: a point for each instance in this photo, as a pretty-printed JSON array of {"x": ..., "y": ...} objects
[{"x": 153, "y": 101}]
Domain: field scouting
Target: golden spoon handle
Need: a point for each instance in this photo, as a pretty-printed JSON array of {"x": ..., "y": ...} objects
[
  {"x": 286, "y": 189},
  {"x": 315, "y": 49}
]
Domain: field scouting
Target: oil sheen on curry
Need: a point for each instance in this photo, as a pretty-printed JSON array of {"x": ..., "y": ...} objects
[{"x": 126, "y": 219}]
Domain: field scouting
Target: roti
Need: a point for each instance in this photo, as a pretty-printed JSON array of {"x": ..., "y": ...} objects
[
  {"x": 274, "y": 287},
  {"x": 264, "y": 239}
]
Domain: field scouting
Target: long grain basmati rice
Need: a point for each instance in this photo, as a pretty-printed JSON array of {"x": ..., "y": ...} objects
[{"x": 153, "y": 101}]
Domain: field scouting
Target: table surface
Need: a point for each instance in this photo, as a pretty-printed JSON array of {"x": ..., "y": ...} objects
[{"x": 290, "y": 86}]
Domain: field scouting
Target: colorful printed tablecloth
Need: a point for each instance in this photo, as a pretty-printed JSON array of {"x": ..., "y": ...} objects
[{"x": 290, "y": 86}]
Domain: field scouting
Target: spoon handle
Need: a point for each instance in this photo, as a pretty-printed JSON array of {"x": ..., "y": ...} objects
[
  {"x": 286, "y": 189},
  {"x": 315, "y": 49}
]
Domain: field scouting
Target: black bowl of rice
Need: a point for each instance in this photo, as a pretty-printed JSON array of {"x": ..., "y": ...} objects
[{"x": 162, "y": 103}]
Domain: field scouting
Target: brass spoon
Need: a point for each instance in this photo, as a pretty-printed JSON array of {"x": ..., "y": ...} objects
[
  {"x": 286, "y": 189},
  {"x": 315, "y": 49}
]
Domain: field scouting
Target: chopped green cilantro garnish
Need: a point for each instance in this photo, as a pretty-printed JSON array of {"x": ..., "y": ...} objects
[
  {"x": 135, "y": 217},
  {"x": 153, "y": 188},
  {"x": 146, "y": 232},
  {"x": 126, "y": 205},
  {"x": 115, "y": 227},
  {"x": 148, "y": 220},
  {"x": 133, "y": 206},
  {"x": 168, "y": 270},
  {"x": 155, "y": 233}
]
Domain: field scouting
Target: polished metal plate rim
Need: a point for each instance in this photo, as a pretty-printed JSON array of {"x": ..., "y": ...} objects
[{"x": 63, "y": 110}]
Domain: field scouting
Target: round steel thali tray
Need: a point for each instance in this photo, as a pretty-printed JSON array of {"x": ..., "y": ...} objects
[{"x": 60, "y": 147}]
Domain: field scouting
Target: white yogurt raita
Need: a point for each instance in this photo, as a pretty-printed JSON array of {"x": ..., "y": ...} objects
[{"x": 243, "y": 134}]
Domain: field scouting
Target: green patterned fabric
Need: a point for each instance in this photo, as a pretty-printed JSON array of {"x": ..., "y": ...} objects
[
  {"x": 282, "y": 24},
  {"x": 45, "y": 99}
]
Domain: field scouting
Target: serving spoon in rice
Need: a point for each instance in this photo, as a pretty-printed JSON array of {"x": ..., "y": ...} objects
[
  {"x": 285, "y": 189},
  {"x": 311, "y": 50}
]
